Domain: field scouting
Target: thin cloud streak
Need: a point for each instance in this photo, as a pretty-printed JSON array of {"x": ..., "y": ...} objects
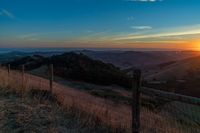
[
  {"x": 6, "y": 13},
  {"x": 162, "y": 41},
  {"x": 141, "y": 27},
  {"x": 174, "y": 33},
  {"x": 27, "y": 36},
  {"x": 30, "y": 37},
  {"x": 144, "y": 0},
  {"x": 130, "y": 18}
]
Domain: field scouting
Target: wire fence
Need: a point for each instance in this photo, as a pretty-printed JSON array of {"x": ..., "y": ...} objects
[
  {"x": 157, "y": 114},
  {"x": 118, "y": 117},
  {"x": 170, "y": 116}
]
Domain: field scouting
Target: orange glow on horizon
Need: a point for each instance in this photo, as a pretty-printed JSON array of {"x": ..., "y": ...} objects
[
  {"x": 196, "y": 45},
  {"x": 158, "y": 44}
]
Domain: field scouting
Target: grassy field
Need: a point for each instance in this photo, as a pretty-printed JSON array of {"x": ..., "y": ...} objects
[
  {"x": 38, "y": 113},
  {"x": 99, "y": 111}
]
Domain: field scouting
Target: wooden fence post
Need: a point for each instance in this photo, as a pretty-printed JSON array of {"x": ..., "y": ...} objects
[
  {"x": 51, "y": 78},
  {"x": 8, "y": 79},
  {"x": 22, "y": 79},
  {"x": 136, "y": 101},
  {"x": 8, "y": 69}
]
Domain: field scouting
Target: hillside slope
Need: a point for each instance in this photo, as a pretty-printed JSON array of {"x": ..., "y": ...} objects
[
  {"x": 76, "y": 67},
  {"x": 120, "y": 58},
  {"x": 115, "y": 115},
  {"x": 127, "y": 59},
  {"x": 183, "y": 69},
  {"x": 35, "y": 113},
  {"x": 180, "y": 77}
]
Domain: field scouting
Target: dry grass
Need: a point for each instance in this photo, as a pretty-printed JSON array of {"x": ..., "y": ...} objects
[
  {"x": 38, "y": 114},
  {"x": 116, "y": 116}
]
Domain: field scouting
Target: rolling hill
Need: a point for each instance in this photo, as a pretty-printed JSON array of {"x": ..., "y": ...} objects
[
  {"x": 180, "y": 77},
  {"x": 119, "y": 58},
  {"x": 139, "y": 59},
  {"x": 183, "y": 69},
  {"x": 75, "y": 66}
]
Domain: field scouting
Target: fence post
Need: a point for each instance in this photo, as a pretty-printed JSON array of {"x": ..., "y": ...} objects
[
  {"x": 136, "y": 101},
  {"x": 22, "y": 79},
  {"x": 8, "y": 79},
  {"x": 51, "y": 78},
  {"x": 8, "y": 69}
]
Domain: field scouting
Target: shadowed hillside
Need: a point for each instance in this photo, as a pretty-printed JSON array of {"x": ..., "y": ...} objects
[
  {"x": 183, "y": 69},
  {"x": 121, "y": 59},
  {"x": 118, "y": 116},
  {"x": 76, "y": 67},
  {"x": 127, "y": 59},
  {"x": 179, "y": 76}
]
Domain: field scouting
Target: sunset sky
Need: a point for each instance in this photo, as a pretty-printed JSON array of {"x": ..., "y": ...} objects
[{"x": 162, "y": 24}]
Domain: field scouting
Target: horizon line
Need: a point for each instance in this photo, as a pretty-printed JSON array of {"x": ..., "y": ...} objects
[{"x": 94, "y": 48}]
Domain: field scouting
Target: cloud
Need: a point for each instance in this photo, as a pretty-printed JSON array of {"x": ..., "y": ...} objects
[
  {"x": 130, "y": 18},
  {"x": 141, "y": 27},
  {"x": 177, "y": 32},
  {"x": 88, "y": 31},
  {"x": 6, "y": 13},
  {"x": 27, "y": 35},
  {"x": 145, "y": 0},
  {"x": 30, "y": 36},
  {"x": 94, "y": 36}
]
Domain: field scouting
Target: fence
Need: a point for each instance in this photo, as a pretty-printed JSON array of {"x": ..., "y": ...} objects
[
  {"x": 116, "y": 116},
  {"x": 173, "y": 113},
  {"x": 152, "y": 111},
  {"x": 166, "y": 112}
]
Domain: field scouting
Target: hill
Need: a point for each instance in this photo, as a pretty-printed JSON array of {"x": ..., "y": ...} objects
[
  {"x": 76, "y": 67},
  {"x": 49, "y": 116},
  {"x": 9, "y": 56},
  {"x": 119, "y": 58},
  {"x": 183, "y": 69},
  {"x": 139, "y": 59},
  {"x": 35, "y": 113},
  {"x": 179, "y": 76}
]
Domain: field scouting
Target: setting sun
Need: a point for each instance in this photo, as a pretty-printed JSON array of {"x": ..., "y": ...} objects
[{"x": 196, "y": 45}]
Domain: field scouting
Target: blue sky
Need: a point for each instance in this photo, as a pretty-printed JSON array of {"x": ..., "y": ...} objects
[{"x": 100, "y": 23}]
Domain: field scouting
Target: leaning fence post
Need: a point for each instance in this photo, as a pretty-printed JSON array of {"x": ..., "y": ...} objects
[
  {"x": 136, "y": 101},
  {"x": 51, "y": 78}
]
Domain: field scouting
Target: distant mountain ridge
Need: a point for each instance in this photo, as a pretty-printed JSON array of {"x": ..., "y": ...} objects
[
  {"x": 138, "y": 59},
  {"x": 9, "y": 56},
  {"x": 122, "y": 59}
]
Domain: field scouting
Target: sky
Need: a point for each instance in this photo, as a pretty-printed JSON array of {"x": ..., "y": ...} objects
[{"x": 160, "y": 24}]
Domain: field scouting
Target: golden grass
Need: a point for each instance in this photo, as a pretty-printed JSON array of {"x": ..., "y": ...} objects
[
  {"x": 117, "y": 116},
  {"x": 38, "y": 114}
]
